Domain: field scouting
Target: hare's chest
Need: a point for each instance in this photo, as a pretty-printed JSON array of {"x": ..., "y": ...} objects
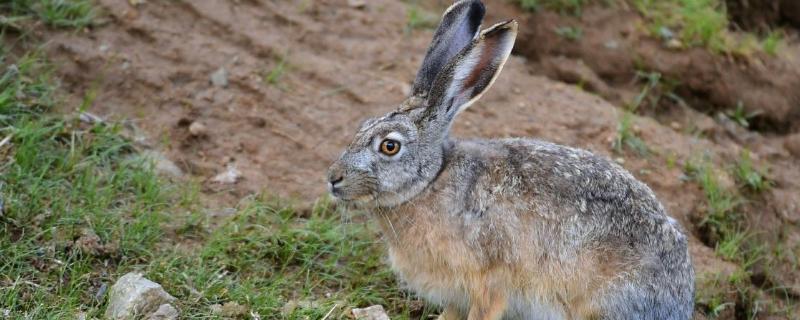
[{"x": 436, "y": 265}]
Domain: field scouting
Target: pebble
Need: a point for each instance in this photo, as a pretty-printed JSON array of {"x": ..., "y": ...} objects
[
  {"x": 375, "y": 312},
  {"x": 198, "y": 129},
  {"x": 133, "y": 295},
  {"x": 666, "y": 33},
  {"x": 674, "y": 44},
  {"x": 358, "y": 4},
  {"x": 230, "y": 176},
  {"x": 161, "y": 164},
  {"x": 165, "y": 312},
  {"x": 220, "y": 78}
]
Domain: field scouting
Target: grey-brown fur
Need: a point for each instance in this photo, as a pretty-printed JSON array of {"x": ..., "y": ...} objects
[{"x": 514, "y": 228}]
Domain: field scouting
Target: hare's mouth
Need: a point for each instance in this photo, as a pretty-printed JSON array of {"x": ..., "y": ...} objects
[{"x": 347, "y": 193}]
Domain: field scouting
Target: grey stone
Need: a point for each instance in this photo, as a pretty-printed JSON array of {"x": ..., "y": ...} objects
[
  {"x": 375, "y": 312},
  {"x": 162, "y": 165},
  {"x": 198, "y": 129},
  {"x": 165, "y": 312},
  {"x": 231, "y": 175},
  {"x": 133, "y": 296},
  {"x": 220, "y": 78}
]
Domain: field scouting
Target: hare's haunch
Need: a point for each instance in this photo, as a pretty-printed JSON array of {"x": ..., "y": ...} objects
[{"x": 513, "y": 228}]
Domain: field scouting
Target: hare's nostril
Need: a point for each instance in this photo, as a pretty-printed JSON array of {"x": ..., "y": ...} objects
[{"x": 334, "y": 180}]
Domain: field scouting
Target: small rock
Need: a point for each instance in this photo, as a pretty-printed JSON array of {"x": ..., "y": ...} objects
[
  {"x": 233, "y": 309},
  {"x": 165, "y": 312},
  {"x": 620, "y": 160},
  {"x": 674, "y": 44},
  {"x": 90, "y": 118},
  {"x": 220, "y": 78},
  {"x": 666, "y": 33},
  {"x": 133, "y": 295},
  {"x": 101, "y": 292},
  {"x": 358, "y": 4},
  {"x": 375, "y": 312},
  {"x": 230, "y": 176},
  {"x": 611, "y": 44},
  {"x": 216, "y": 309},
  {"x": 162, "y": 165},
  {"x": 198, "y": 129},
  {"x": 675, "y": 125}
]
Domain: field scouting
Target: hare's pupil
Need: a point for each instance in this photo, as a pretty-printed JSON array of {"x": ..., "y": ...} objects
[{"x": 390, "y": 147}]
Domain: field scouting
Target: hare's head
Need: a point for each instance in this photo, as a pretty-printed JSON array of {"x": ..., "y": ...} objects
[{"x": 392, "y": 158}]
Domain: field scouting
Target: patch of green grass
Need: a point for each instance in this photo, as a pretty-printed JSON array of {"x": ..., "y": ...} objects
[
  {"x": 64, "y": 183},
  {"x": 274, "y": 75},
  {"x": 626, "y": 136},
  {"x": 747, "y": 175},
  {"x": 699, "y": 22},
  {"x": 655, "y": 87},
  {"x": 279, "y": 264},
  {"x": 573, "y": 7},
  {"x": 721, "y": 204},
  {"x": 772, "y": 42},
  {"x": 723, "y": 295},
  {"x": 731, "y": 245},
  {"x": 726, "y": 230},
  {"x": 57, "y": 13},
  {"x": 740, "y": 115},
  {"x": 713, "y": 296}
]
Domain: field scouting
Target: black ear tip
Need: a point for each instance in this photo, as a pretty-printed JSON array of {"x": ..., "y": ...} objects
[
  {"x": 477, "y": 6},
  {"x": 473, "y": 11},
  {"x": 476, "y": 12}
]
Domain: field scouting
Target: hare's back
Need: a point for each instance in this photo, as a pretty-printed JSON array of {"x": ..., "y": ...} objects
[{"x": 559, "y": 181}]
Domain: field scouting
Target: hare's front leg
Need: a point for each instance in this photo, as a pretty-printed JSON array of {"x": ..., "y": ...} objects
[{"x": 487, "y": 304}]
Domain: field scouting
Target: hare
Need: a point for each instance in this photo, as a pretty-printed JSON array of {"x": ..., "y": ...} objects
[{"x": 511, "y": 228}]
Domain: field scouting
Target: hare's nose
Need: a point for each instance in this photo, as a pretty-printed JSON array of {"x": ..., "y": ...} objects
[{"x": 335, "y": 179}]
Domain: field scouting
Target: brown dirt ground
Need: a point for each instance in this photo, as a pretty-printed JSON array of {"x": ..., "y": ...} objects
[{"x": 150, "y": 65}]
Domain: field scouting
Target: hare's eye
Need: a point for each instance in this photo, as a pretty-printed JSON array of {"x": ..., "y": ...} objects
[{"x": 390, "y": 147}]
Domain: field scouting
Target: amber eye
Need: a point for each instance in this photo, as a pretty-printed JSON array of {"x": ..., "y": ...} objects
[{"x": 390, "y": 147}]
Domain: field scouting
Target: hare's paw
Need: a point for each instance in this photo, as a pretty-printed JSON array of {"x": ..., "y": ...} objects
[{"x": 450, "y": 313}]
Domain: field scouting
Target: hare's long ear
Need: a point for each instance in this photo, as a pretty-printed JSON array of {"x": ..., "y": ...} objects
[
  {"x": 464, "y": 79},
  {"x": 459, "y": 26}
]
